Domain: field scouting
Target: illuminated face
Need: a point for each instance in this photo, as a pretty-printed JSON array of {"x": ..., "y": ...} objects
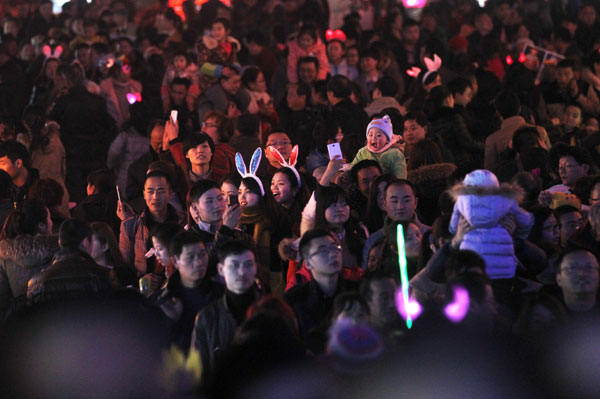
[
  {"x": 211, "y": 128},
  {"x": 10, "y": 167},
  {"x": 229, "y": 189},
  {"x": 380, "y": 195},
  {"x": 365, "y": 176},
  {"x": 465, "y": 98},
  {"x": 376, "y": 139},
  {"x": 324, "y": 256},
  {"x": 180, "y": 63},
  {"x": 156, "y": 138},
  {"x": 307, "y": 72},
  {"x": 260, "y": 84},
  {"x": 50, "y": 70},
  {"x": 569, "y": 224},
  {"x": 572, "y": 117},
  {"x": 282, "y": 189},
  {"x": 337, "y": 213},
  {"x": 282, "y": 143},
  {"x": 400, "y": 203},
  {"x": 97, "y": 249},
  {"x": 570, "y": 170},
  {"x": 578, "y": 273},
  {"x": 413, "y": 132},
  {"x": 381, "y": 302},
  {"x": 211, "y": 206},
  {"x": 305, "y": 41},
  {"x": 219, "y": 32},
  {"x": 551, "y": 231},
  {"x": 352, "y": 57},
  {"x": 192, "y": 264},
  {"x": 595, "y": 195},
  {"x": 412, "y": 34},
  {"x": 200, "y": 155},
  {"x": 239, "y": 271},
  {"x": 374, "y": 257},
  {"x": 156, "y": 194},
  {"x": 161, "y": 251},
  {"x": 368, "y": 64},
  {"x": 335, "y": 50},
  {"x": 412, "y": 240},
  {"x": 232, "y": 84},
  {"x": 247, "y": 197}
]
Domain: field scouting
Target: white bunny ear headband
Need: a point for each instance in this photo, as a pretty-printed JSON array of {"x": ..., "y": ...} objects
[
  {"x": 432, "y": 65},
  {"x": 52, "y": 54},
  {"x": 291, "y": 164},
  {"x": 254, "y": 162}
]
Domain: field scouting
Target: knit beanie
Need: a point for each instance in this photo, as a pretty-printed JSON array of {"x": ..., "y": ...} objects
[
  {"x": 481, "y": 178},
  {"x": 353, "y": 347},
  {"x": 384, "y": 124}
]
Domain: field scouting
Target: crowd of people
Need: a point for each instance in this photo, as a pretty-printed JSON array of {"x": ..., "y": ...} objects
[{"x": 207, "y": 199}]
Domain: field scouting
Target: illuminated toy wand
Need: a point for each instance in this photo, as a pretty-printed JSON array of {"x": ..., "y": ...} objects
[{"x": 403, "y": 274}]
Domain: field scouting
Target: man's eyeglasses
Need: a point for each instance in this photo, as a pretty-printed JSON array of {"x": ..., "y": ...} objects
[
  {"x": 206, "y": 124},
  {"x": 326, "y": 251},
  {"x": 280, "y": 144}
]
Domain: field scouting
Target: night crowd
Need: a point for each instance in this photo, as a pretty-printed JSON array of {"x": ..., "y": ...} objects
[{"x": 205, "y": 199}]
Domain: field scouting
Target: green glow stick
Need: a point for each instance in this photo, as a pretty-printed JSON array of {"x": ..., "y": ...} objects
[{"x": 403, "y": 274}]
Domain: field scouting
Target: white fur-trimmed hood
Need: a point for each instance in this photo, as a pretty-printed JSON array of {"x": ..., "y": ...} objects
[{"x": 29, "y": 251}]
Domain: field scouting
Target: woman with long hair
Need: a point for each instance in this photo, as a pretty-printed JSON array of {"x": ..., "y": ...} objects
[{"x": 105, "y": 252}]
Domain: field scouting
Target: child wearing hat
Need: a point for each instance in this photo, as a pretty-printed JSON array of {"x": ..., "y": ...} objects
[
  {"x": 380, "y": 148},
  {"x": 483, "y": 203}
]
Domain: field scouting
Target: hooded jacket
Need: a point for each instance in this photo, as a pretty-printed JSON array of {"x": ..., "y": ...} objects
[
  {"x": 484, "y": 207},
  {"x": 20, "y": 259}
]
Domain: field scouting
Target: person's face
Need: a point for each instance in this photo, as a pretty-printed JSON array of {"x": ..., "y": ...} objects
[
  {"x": 156, "y": 194},
  {"x": 376, "y": 139},
  {"x": 570, "y": 170},
  {"x": 27, "y": 53},
  {"x": 595, "y": 195},
  {"x": 260, "y": 84},
  {"x": 294, "y": 101},
  {"x": 10, "y": 27},
  {"x": 232, "y": 84},
  {"x": 335, "y": 51},
  {"x": 97, "y": 249},
  {"x": 211, "y": 128},
  {"x": 412, "y": 240},
  {"x": 569, "y": 224},
  {"x": 564, "y": 76},
  {"x": 587, "y": 15},
  {"x": 578, "y": 273},
  {"x": 365, "y": 177},
  {"x": 228, "y": 189},
  {"x": 324, "y": 256},
  {"x": 50, "y": 70},
  {"x": 413, "y": 132},
  {"x": 126, "y": 48},
  {"x": 239, "y": 271},
  {"x": 356, "y": 313},
  {"x": 156, "y": 138},
  {"x": 484, "y": 24},
  {"x": 192, "y": 263},
  {"x": 305, "y": 42},
  {"x": 307, "y": 72},
  {"x": 180, "y": 62},
  {"x": 200, "y": 155},
  {"x": 253, "y": 48},
  {"x": 337, "y": 213},
  {"x": 120, "y": 14},
  {"x": 380, "y": 195},
  {"x": 246, "y": 197},
  {"x": 219, "y": 32},
  {"x": 46, "y": 11},
  {"x": 211, "y": 206},
  {"x": 400, "y": 203},
  {"x": 10, "y": 167},
  {"x": 591, "y": 126},
  {"x": 178, "y": 94},
  {"x": 161, "y": 251},
  {"x": 572, "y": 117},
  {"x": 352, "y": 57},
  {"x": 381, "y": 302},
  {"x": 374, "y": 259},
  {"x": 464, "y": 98},
  {"x": 282, "y": 189},
  {"x": 281, "y": 142},
  {"x": 551, "y": 231},
  {"x": 412, "y": 34},
  {"x": 368, "y": 64},
  {"x": 90, "y": 31}
]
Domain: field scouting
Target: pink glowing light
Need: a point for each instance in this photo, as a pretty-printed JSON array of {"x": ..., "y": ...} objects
[
  {"x": 133, "y": 98},
  {"x": 414, "y": 72},
  {"x": 522, "y": 58},
  {"x": 414, "y": 3},
  {"x": 414, "y": 308},
  {"x": 509, "y": 60},
  {"x": 458, "y": 309}
]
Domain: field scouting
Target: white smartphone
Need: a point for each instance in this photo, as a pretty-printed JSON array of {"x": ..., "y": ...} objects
[
  {"x": 334, "y": 149},
  {"x": 118, "y": 193},
  {"x": 174, "y": 115}
]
